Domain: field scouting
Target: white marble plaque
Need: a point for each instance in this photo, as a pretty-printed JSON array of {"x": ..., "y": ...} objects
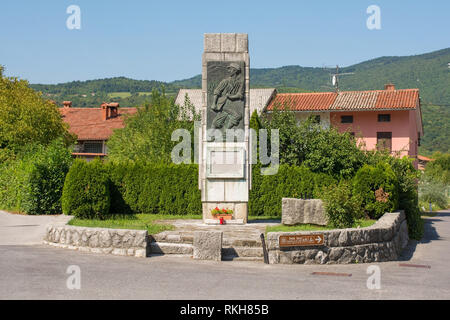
[{"x": 225, "y": 163}]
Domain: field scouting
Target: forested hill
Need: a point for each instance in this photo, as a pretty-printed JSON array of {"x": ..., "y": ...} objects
[{"x": 429, "y": 72}]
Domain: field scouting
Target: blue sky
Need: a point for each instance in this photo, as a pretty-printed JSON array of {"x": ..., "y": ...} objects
[{"x": 163, "y": 40}]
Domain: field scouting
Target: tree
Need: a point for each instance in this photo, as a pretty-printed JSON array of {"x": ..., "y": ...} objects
[
  {"x": 25, "y": 117},
  {"x": 147, "y": 135},
  {"x": 439, "y": 169},
  {"x": 321, "y": 149},
  {"x": 432, "y": 191}
]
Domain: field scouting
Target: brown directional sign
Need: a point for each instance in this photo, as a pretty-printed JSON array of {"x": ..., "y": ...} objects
[{"x": 301, "y": 240}]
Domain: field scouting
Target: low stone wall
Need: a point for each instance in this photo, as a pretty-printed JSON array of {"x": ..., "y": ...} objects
[
  {"x": 383, "y": 241},
  {"x": 301, "y": 211},
  {"x": 122, "y": 242}
]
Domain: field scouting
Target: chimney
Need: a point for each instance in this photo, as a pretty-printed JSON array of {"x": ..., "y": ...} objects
[
  {"x": 67, "y": 104},
  {"x": 104, "y": 107},
  {"x": 389, "y": 87},
  {"x": 109, "y": 110}
]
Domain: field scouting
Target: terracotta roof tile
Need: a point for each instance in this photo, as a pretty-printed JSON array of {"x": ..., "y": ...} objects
[
  {"x": 303, "y": 101},
  {"x": 350, "y": 100},
  {"x": 88, "y": 124},
  {"x": 398, "y": 99},
  {"x": 347, "y": 100}
]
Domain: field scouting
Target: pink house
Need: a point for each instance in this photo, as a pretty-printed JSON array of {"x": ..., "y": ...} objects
[{"x": 387, "y": 118}]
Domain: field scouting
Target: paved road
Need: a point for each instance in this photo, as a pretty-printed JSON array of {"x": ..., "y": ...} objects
[
  {"x": 39, "y": 272},
  {"x": 18, "y": 229}
]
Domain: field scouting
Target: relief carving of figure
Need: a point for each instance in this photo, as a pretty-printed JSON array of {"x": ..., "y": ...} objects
[{"x": 228, "y": 99}]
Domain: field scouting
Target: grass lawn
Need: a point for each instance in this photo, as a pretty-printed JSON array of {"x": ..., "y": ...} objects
[
  {"x": 147, "y": 222},
  {"x": 312, "y": 227}
]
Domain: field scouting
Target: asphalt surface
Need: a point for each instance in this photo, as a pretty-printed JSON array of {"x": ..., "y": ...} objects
[{"x": 34, "y": 271}]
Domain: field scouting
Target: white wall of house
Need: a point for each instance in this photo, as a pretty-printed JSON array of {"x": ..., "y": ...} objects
[{"x": 324, "y": 117}]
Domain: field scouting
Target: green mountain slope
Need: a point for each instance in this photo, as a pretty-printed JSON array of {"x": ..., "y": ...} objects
[{"x": 429, "y": 72}]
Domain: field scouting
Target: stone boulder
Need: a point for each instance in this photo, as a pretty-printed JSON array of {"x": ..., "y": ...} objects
[{"x": 300, "y": 211}]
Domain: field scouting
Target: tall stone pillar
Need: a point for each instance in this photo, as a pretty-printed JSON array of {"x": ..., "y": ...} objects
[{"x": 224, "y": 169}]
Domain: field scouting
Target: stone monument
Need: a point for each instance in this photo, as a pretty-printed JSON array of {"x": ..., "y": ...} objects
[{"x": 224, "y": 169}]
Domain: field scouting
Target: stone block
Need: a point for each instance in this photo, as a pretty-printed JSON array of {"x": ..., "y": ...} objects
[
  {"x": 228, "y": 42},
  {"x": 140, "y": 253},
  {"x": 241, "y": 42},
  {"x": 212, "y": 42},
  {"x": 208, "y": 245},
  {"x": 403, "y": 234},
  {"x": 241, "y": 211},
  {"x": 299, "y": 211}
]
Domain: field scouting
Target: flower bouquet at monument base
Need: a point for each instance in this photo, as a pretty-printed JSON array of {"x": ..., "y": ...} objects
[{"x": 224, "y": 213}]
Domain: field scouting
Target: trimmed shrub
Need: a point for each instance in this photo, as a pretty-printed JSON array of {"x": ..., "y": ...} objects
[
  {"x": 154, "y": 188},
  {"x": 342, "y": 208},
  {"x": 378, "y": 188},
  {"x": 86, "y": 192},
  {"x": 290, "y": 182}
]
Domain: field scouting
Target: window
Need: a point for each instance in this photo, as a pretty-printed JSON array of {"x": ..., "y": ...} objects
[
  {"x": 384, "y": 118},
  {"x": 315, "y": 119},
  {"x": 384, "y": 141},
  {"x": 346, "y": 119},
  {"x": 93, "y": 147}
]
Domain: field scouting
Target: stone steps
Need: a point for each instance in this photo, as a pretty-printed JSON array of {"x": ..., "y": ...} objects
[
  {"x": 188, "y": 238},
  {"x": 230, "y": 251},
  {"x": 171, "y": 248},
  {"x": 234, "y": 258},
  {"x": 242, "y": 252}
]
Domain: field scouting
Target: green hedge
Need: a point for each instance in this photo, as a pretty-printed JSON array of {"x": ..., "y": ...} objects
[
  {"x": 148, "y": 188},
  {"x": 173, "y": 189},
  {"x": 33, "y": 183},
  {"x": 86, "y": 192},
  {"x": 96, "y": 189},
  {"x": 290, "y": 182}
]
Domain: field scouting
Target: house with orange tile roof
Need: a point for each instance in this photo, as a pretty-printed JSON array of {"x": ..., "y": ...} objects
[
  {"x": 423, "y": 161},
  {"x": 93, "y": 126},
  {"x": 380, "y": 119}
]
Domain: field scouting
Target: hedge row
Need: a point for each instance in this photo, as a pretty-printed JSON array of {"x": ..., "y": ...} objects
[
  {"x": 94, "y": 189},
  {"x": 289, "y": 182}
]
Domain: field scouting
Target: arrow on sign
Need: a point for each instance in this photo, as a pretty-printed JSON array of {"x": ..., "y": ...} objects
[{"x": 318, "y": 239}]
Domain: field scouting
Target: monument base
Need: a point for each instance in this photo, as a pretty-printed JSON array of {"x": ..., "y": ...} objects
[{"x": 240, "y": 211}]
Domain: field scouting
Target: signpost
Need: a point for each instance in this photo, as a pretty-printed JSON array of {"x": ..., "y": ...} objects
[{"x": 301, "y": 240}]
